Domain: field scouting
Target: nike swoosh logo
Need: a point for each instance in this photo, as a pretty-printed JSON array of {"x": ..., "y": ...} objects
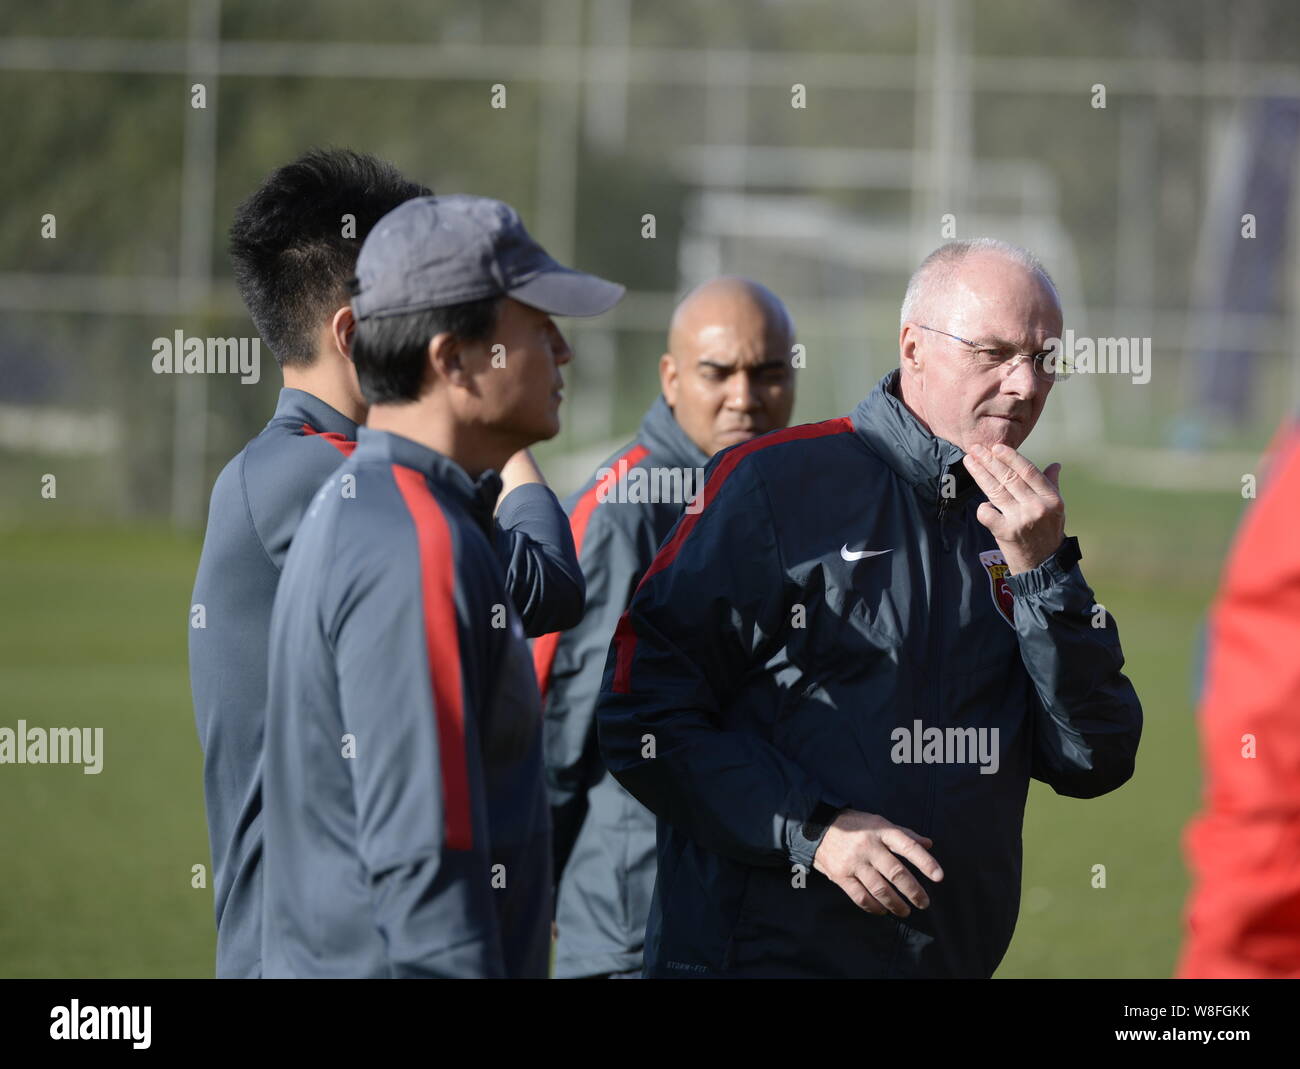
[{"x": 852, "y": 555}]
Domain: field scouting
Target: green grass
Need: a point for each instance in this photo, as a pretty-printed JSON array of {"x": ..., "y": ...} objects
[
  {"x": 1153, "y": 559},
  {"x": 98, "y": 868},
  {"x": 1130, "y": 927}
]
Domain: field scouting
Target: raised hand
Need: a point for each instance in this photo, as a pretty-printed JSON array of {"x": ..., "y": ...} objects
[{"x": 1024, "y": 510}]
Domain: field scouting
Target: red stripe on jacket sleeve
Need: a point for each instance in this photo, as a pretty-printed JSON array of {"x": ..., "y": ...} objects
[
  {"x": 442, "y": 646},
  {"x": 625, "y": 636},
  {"x": 545, "y": 647},
  {"x": 340, "y": 442}
]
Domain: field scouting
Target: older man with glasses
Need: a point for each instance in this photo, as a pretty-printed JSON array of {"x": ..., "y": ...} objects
[{"x": 855, "y": 656}]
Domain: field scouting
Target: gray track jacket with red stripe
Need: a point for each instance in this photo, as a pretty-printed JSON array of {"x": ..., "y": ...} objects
[
  {"x": 405, "y": 814},
  {"x": 257, "y": 502},
  {"x": 605, "y": 838},
  {"x": 834, "y": 629}
]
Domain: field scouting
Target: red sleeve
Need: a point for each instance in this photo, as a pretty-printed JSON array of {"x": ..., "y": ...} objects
[{"x": 1243, "y": 916}]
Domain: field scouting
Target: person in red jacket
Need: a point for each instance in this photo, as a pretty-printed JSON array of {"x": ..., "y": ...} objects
[{"x": 1243, "y": 848}]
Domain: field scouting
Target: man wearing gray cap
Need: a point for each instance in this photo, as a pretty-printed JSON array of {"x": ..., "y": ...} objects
[{"x": 406, "y": 823}]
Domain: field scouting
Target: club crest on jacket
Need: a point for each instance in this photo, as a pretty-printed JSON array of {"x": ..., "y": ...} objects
[{"x": 1000, "y": 590}]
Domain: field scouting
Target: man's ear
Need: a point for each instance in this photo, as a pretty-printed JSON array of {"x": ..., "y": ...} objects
[
  {"x": 909, "y": 338},
  {"x": 668, "y": 378},
  {"x": 343, "y": 327},
  {"x": 446, "y": 359}
]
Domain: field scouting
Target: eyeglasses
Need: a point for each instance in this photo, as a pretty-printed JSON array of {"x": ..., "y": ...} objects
[{"x": 1048, "y": 365}]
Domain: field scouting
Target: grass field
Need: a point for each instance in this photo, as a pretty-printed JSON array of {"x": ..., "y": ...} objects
[{"x": 98, "y": 868}]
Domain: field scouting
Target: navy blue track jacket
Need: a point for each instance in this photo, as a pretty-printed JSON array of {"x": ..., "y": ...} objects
[
  {"x": 256, "y": 504},
  {"x": 836, "y": 629},
  {"x": 605, "y": 838},
  {"x": 405, "y": 819}
]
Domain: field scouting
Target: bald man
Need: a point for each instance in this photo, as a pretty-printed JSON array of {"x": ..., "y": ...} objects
[
  {"x": 840, "y": 674},
  {"x": 727, "y": 377}
]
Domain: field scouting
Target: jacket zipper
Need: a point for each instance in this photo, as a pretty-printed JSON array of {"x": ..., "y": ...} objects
[{"x": 937, "y": 560}]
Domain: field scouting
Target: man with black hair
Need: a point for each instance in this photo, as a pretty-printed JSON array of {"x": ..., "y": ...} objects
[
  {"x": 407, "y": 830},
  {"x": 294, "y": 244}
]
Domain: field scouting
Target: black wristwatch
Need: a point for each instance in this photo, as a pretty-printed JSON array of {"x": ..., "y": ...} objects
[{"x": 1068, "y": 553}]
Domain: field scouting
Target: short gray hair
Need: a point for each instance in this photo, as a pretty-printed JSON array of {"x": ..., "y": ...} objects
[{"x": 940, "y": 265}]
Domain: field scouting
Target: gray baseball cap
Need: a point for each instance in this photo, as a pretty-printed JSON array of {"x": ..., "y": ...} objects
[{"x": 431, "y": 252}]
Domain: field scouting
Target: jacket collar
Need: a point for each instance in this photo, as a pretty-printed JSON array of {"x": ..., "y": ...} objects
[
  {"x": 299, "y": 406},
  {"x": 666, "y": 439},
  {"x": 478, "y": 497},
  {"x": 896, "y": 436}
]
